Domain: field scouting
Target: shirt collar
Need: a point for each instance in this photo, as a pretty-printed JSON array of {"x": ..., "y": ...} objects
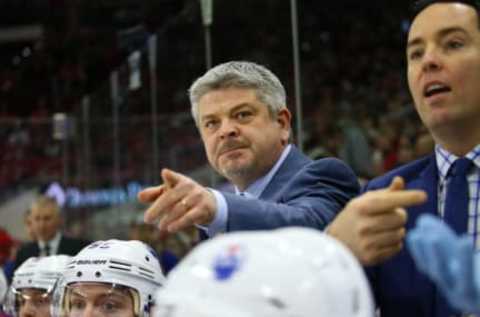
[
  {"x": 258, "y": 186},
  {"x": 445, "y": 159},
  {"x": 52, "y": 243}
]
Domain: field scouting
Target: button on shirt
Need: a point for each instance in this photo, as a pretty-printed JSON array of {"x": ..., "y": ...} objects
[
  {"x": 219, "y": 224},
  {"x": 445, "y": 161}
]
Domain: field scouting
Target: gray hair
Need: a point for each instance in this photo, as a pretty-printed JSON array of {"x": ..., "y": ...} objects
[{"x": 240, "y": 74}]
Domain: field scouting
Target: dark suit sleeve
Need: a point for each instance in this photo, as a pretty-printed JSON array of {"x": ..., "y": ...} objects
[
  {"x": 312, "y": 198},
  {"x": 25, "y": 252},
  {"x": 71, "y": 246}
]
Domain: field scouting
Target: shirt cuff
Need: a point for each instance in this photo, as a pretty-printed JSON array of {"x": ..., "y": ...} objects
[{"x": 219, "y": 223}]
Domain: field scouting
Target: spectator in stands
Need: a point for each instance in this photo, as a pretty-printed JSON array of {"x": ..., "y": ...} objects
[
  {"x": 30, "y": 294},
  {"x": 424, "y": 145},
  {"x": 240, "y": 111},
  {"x": 110, "y": 278},
  {"x": 443, "y": 53},
  {"x": 7, "y": 246},
  {"x": 46, "y": 223},
  {"x": 355, "y": 150},
  {"x": 171, "y": 249},
  {"x": 285, "y": 272}
]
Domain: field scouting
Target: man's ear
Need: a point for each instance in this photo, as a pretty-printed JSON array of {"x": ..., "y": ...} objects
[{"x": 284, "y": 118}]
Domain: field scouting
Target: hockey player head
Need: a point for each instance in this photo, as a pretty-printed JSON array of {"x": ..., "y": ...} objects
[{"x": 288, "y": 272}]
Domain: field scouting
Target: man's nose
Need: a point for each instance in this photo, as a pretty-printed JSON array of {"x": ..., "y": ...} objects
[
  {"x": 89, "y": 312},
  {"x": 27, "y": 309},
  {"x": 228, "y": 129},
  {"x": 432, "y": 60}
]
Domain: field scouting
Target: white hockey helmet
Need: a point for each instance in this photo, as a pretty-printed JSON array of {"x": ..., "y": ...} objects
[
  {"x": 37, "y": 273},
  {"x": 127, "y": 264},
  {"x": 282, "y": 273}
]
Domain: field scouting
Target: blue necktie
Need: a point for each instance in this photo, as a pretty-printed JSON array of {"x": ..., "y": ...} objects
[
  {"x": 455, "y": 214},
  {"x": 456, "y": 200}
]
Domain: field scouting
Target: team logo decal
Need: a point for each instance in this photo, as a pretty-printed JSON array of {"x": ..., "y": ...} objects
[{"x": 228, "y": 262}]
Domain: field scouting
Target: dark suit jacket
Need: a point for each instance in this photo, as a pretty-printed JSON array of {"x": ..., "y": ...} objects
[
  {"x": 400, "y": 290},
  {"x": 302, "y": 193},
  {"x": 67, "y": 246}
]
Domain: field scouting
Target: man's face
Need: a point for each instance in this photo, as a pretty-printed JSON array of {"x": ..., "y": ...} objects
[
  {"x": 443, "y": 54},
  {"x": 45, "y": 222},
  {"x": 241, "y": 139},
  {"x": 99, "y": 300},
  {"x": 33, "y": 303}
]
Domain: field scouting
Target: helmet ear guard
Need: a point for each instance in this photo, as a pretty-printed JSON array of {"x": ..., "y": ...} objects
[{"x": 282, "y": 273}]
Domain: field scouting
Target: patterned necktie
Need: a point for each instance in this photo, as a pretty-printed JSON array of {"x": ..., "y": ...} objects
[{"x": 455, "y": 214}]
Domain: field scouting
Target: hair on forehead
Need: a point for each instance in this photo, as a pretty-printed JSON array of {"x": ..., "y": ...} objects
[
  {"x": 240, "y": 74},
  {"x": 45, "y": 202},
  {"x": 421, "y": 5}
]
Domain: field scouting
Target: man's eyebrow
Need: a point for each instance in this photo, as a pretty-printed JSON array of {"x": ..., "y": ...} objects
[
  {"x": 451, "y": 29},
  {"x": 442, "y": 33},
  {"x": 206, "y": 117},
  {"x": 115, "y": 295},
  {"x": 413, "y": 42},
  {"x": 235, "y": 108}
]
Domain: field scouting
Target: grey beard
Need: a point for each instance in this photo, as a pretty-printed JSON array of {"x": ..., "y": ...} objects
[{"x": 236, "y": 173}]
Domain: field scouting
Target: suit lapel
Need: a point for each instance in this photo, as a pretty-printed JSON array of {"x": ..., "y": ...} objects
[
  {"x": 294, "y": 161},
  {"x": 427, "y": 181},
  {"x": 35, "y": 249}
]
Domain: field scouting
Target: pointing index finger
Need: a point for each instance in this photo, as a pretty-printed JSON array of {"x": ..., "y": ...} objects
[{"x": 386, "y": 200}]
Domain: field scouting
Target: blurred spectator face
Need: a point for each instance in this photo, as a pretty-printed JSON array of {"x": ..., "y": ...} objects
[
  {"x": 33, "y": 303},
  {"x": 241, "y": 138},
  {"x": 424, "y": 145},
  {"x": 405, "y": 154},
  {"x": 6, "y": 245},
  {"x": 45, "y": 221},
  {"x": 444, "y": 66}
]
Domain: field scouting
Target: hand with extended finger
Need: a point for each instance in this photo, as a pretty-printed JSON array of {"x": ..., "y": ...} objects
[
  {"x": 373, "y": 224},
  {"x": 150, "y": 194},
  {"x": 180, "y": 204}
]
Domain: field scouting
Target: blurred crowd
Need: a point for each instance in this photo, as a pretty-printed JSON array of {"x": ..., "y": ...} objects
[{"x": 356, "y": 108}]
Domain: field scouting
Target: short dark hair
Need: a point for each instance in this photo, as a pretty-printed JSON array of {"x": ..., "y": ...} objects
[{"x": 420, "y": 5}]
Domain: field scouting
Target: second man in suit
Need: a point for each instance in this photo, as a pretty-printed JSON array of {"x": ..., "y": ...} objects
[
  {"x": 46, "y": 222},
  {"x": 443, "y": 68}
]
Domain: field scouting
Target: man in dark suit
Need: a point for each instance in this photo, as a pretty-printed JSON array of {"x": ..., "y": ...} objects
[
  {"x": 46, "y": 221},
  {"x": 443, "y": 54},
  {"x": 240, "y": 111}
]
